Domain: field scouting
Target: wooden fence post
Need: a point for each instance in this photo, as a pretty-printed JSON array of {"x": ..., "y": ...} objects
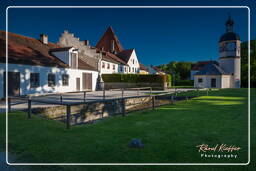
[
  {"x": 153, "y": 102},
  {"x": 84, "y": 96},
  {"x": 60, "y": 97},
  {"x": 9, "y": 104},
  {"x": 123, "y": 105},
  {"x": 29, "y": 108},
  {"x": 122, "y": 92},
  {"x": 68, "y": 117},
  {"x": 104, "y": 94}
]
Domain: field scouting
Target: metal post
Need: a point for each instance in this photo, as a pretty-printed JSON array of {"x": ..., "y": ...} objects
[
  {"x": 122, "y": 92},
  {"x": 68, "y": 117},
  {"x": 29, "y": 107},
  {"x": 207, "y": 92},
  {"x": 84, "y": 96},
  {"x": 172, "y": 99},
  {"x": 150, "y": 90},
  {"x": 9, "y": 104},
  {"x": 153, "y": 102},
  {"x": 123, "y": 105}
]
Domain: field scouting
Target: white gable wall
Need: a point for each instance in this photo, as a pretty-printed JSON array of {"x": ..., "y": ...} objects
[{"x": 133, "y": 63}]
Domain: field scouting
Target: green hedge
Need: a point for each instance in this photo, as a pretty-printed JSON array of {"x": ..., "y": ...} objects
[
  {"x": 184, "y": 83},
  {"x": 136, "y": 78}
]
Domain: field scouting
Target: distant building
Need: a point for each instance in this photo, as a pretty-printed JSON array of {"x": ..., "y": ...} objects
[
  {"x": 199, "y": 66},
  {"x": 143, "y": 69},
  {"x": 225, "y": 74},
  {"x": 155, "y": 70}
]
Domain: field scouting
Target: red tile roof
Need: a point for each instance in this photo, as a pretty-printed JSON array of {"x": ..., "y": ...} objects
[
  {"x": 29, "y": 51},
  {"x": 125, "y": 54},
  {"x": 85, "y": 66},
  {"x": 106, "y": 41},
  {"x": 60, "y": 49},
  {"x": 143, "y": 67},
  {"x": 110, "y": 57}
]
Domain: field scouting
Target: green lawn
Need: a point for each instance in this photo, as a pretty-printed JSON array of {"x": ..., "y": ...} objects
[{"x": 170, "y": 134}]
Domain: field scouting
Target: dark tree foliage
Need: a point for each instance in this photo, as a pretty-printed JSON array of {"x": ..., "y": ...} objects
[
  {"x": 244, "y": 63},
  {"x": 178, "y": 70}
]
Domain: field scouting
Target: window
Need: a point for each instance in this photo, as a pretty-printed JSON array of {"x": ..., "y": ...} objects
[
  {"x": 132, "y": 69},
  {"x": 121, "y": 68},
  {"x": 129, "y": 69},
  {"x": 108, "y": 66},
  {"x": 124, "y": 68},
  {"x": 34, "y": 80},
  {"x": 133, "y": 61},
  {"x": 73, "y": 60},
  {"x": 114, "y": 66},
  {"x": 103, "y": 64},
  {"x": 51, "y": 80},
  {"x": 200, "y": 80},
  {"x": 65, "y": 79}
]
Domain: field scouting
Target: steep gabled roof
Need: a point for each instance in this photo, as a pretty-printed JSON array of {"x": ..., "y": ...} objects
[
  {"x": 110, "y": 57},
  {"x": 125, "y": 54},
  {"x": 106, "y": 41},
  {"x": 211, "y": 69},
  {"x": 28, "y": 51}
]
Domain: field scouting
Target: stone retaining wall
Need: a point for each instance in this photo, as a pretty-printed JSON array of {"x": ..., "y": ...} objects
[{"x": 94, "y": 111}]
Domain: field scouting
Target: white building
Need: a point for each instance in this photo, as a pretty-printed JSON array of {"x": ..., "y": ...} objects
[
  {"x": 38, "y": 66},
  {"x": 225, "y": 74}
]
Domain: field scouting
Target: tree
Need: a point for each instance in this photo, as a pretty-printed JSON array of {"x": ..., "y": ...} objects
[{"x": 244, "y": 63}]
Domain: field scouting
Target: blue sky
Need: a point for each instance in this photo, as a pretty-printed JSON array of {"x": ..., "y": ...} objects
[{"x": 158, "y": 35}]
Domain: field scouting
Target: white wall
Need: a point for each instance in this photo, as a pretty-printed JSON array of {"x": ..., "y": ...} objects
[
  {"x": 25, "y": 71},
  {"x": 134, "y": 65},
  {"x": 207, "y": 81},
  {"x": 225, "y": 83},
  {"x": 105, "y": 70}
]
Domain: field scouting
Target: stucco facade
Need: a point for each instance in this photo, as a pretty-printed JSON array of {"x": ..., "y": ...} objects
[{"x": 26, "y": 70}]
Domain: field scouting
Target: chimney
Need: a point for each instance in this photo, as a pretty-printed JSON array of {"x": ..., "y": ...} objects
[
  {"x": 86, "y": 42},
  {"x": 44, "y": 38}
]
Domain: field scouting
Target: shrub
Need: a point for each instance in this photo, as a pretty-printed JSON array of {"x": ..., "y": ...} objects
[
  {"x": 184, "y": 83},
  {"x": 136, "y": 78}
]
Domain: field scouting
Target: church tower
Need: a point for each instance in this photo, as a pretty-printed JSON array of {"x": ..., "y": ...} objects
[{"x": 229, "y": 54}]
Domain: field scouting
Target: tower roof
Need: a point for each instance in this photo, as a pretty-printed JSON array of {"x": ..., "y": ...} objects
[
  {"x": 229, "y": 35},
  {"x": 107, "y": 39}
]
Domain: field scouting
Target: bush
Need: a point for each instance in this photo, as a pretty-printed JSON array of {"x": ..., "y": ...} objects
[
  {"x": 184, "y": 83},
  {"x": 136, "y": 78}
]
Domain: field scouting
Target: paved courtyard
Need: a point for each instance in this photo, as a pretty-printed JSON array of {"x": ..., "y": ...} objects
[{"x": 79, "y": 97}]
